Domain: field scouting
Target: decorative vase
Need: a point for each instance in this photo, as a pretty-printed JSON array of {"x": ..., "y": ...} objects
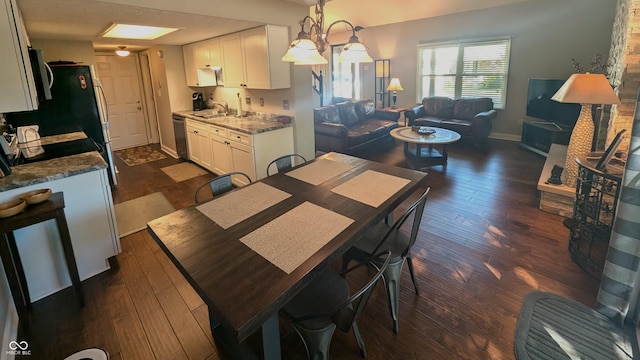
[{"x": 580, "y": 143}]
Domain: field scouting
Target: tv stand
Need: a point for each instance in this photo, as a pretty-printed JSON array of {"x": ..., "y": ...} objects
[{"x": 538, "y": 136}]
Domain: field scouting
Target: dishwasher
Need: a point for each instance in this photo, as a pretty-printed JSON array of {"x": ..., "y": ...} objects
[{"x": 180, "y": 135}]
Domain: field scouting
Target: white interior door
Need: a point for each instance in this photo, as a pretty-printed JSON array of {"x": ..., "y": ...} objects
[{"x": 119, "y": 77}]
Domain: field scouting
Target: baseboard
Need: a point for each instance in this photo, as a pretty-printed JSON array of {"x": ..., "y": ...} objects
[
  {"x": 503, "y": 136},
  {"x": 10, "y": 332}
]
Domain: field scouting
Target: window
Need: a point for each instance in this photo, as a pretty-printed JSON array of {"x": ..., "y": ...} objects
[
  {"x": 467, "y": 69},
  {"x": 346, "y": 76}
]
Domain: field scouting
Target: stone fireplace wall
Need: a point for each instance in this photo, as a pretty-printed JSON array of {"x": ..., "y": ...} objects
[{"x": 624, "y": 55}]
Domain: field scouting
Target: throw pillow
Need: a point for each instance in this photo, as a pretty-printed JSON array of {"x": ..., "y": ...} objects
[
  {"x": 365, "y": 109},
  {"x": 326, "y": 114},
  {"x": 348, "y": 114}
]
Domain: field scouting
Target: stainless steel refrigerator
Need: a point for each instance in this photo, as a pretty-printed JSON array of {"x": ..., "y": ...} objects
[{"x": 77, "y": 104}]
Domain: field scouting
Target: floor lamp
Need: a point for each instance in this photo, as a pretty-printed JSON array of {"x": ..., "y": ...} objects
[{"x": 587, "y": 90}]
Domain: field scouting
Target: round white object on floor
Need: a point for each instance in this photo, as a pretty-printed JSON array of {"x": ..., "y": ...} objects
[{"x": 89, "y": 354}]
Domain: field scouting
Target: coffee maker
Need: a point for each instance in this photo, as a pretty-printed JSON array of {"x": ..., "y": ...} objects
[{"x": 198, "y": 102}]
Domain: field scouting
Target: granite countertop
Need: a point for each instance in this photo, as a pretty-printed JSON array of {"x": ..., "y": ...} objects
[
  {"x": 53, "y": 169},
  {"x": 252, "y": 124}
]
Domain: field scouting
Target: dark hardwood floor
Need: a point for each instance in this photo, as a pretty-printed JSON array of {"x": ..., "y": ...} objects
[{"x": 482, "y": 246}]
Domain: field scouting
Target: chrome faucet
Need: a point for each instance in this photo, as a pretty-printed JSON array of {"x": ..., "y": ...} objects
[{"x": 223, "y": 104}]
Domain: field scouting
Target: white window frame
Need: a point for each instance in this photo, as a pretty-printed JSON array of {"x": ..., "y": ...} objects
[{"x": 459, "y": 74}]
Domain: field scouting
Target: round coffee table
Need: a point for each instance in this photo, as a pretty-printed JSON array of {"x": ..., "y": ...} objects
[{"x": 426, "y": 155}]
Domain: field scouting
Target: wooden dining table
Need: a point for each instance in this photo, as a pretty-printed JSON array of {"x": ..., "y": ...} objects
[{"x": 251, "y": 250}]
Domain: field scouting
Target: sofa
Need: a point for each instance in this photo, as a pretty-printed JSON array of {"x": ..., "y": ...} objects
[
  {"x": 470, "y": 117},
  {"x": 349, "y": 125}
]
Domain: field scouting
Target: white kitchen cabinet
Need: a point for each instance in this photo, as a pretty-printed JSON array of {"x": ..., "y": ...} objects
[
  {"x": 253, "y": 58},
  {"x": 200, "y": 60},
  {"x": 230, "y": 150},
  {"x": 232, "y": 60},
  {"x": 190, "y": 67},
  {"x": 208, "y": 53},
  {"x": 198, "y": 144},
  {"x": 220, "y": 149},
  {"x": 17, "y": 88}
]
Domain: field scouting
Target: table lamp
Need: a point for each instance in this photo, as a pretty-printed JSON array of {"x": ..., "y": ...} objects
[
  {"x": 394, "y": 86},
  {"x": 585, "y": 89}
]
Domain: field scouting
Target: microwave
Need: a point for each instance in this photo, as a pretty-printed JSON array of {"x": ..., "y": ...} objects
[{"x": 42, "y": 75}]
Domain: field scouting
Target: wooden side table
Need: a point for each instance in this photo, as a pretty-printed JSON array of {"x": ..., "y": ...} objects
[
  {"x": 52, "y": 208},
  {"x": 398, "y": 110}
]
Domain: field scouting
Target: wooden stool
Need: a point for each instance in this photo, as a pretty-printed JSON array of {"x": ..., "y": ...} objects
[{"x": 52, "y": 208}]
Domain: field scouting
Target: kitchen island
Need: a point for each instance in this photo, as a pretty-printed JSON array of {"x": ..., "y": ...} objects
[
  {"x": 223, "y": 144},
  {"x": 83, "y": 180}
]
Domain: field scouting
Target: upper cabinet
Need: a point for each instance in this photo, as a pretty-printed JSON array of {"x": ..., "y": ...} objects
[
  {"x": 251, "y": 59},
  {"x": 17, "y": 88},
  {"x": 201, "y": 61},
  {"x": 190, "y": 68}
]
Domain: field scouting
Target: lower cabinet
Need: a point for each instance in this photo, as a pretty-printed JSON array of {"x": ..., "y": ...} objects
[
  {"x": 198, "y": 144},
  {"x": 229, "y": 150}
]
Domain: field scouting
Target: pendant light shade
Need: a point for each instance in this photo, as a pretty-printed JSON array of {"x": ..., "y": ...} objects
[{"x": 354, "y": 52}]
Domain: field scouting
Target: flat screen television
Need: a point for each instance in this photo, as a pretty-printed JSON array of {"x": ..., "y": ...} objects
[{"x": 540, "y": 105}]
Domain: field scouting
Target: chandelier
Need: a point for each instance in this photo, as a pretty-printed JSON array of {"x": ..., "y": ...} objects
[{"x": 308, "y": 47}]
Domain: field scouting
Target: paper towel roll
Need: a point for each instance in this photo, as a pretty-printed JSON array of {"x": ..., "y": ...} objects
[{"x": 240, "y": 111}]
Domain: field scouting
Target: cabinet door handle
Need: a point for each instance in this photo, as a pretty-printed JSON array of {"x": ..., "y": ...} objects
[{"x": 238, "y": 137}]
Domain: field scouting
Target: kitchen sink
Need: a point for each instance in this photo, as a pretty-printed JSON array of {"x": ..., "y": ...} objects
[{"x": 208, "y": 114}]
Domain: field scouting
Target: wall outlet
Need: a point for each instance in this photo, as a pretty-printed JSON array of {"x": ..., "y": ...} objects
[
  {"x": 261, "y": 101},
  {"x": 247, "y": 100},
  {"x": 285, "y": 104}
]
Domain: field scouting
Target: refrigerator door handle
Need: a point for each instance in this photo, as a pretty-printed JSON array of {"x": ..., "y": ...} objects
[
  {"x": 105, "y": 112},
  {"x": 50, "y": 74}
]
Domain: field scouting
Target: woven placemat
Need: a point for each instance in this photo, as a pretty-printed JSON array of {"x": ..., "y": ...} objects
[
  {"x": 239, "y": 205},
  {"x": 371, "y": 187},
  {"x": 319, "y": 171},
  {"x": 296, "y": 235}
]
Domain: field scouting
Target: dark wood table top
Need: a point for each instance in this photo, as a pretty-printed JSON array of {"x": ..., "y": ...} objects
[{"x": 239, "y": 286}]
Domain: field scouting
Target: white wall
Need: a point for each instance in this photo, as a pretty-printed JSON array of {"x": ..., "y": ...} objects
[{"x": 546, "y": 34}]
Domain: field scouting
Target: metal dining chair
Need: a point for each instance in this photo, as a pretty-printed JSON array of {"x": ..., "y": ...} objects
[
  {"x": 284, "y": 162},
  {"x": 385, "y": 238},
  {"x": 326, "y": 303},
  {"x": 220, "y": 184}
]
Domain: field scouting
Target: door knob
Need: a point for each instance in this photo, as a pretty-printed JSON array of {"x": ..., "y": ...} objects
[{"x": 139, "y": 107}]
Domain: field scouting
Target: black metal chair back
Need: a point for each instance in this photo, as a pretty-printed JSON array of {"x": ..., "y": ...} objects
[
  {"x": 220, "y": 184},
  {"x": 284, "y": 162}
]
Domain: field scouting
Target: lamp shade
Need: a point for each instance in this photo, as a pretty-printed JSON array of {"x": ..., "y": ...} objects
[
  {"x": 354, "y": 52},
  {"x": 304, "y": 52},
  {"x": 394, "y": 85},
  {"x": 586, "y": 89}
]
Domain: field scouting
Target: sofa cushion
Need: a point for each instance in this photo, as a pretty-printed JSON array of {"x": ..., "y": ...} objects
[
  {"x": 365, "y": 109},
  {"x": 438, "y": 106},
  {"x": 468, "y": 108},
  {"x": 328, "y": 114},
  {"x": 462, "y": 127},
  {"x": 347, "y": 111}
]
